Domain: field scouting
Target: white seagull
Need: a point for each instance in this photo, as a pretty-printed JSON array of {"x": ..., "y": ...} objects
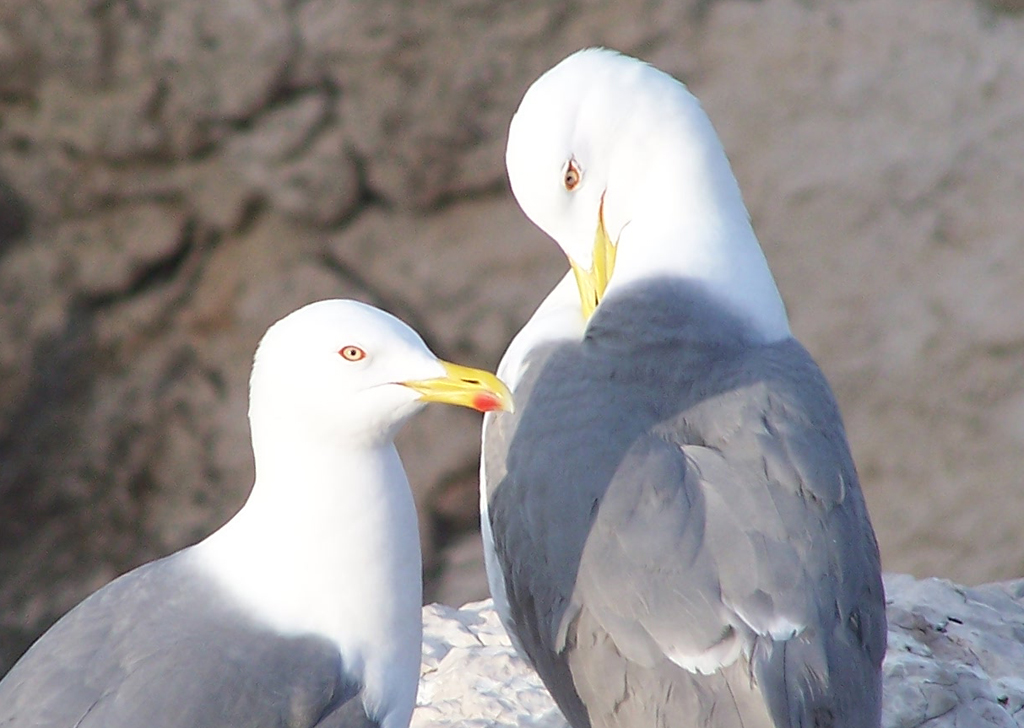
[
  {"x": 304, "y": 609},
  {"x": 674, "y": 530}
]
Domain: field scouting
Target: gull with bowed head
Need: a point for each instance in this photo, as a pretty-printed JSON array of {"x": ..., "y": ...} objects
[{"x": 674, "y": 530}]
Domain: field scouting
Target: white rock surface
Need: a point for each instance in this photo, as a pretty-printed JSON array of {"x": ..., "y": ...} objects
[
  {"x": 955, "y": 660},
  {"x": 472, "y": 677}
]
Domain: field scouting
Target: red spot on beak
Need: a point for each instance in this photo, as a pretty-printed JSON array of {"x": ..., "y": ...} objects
[{"x": 486, "y": 402}]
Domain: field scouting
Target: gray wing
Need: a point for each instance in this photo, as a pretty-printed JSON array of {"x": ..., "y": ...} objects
[
  {"x": 162, "y": 646},
  {"x": 704, "y": 550},
  {"x": 540, "y": 509}
]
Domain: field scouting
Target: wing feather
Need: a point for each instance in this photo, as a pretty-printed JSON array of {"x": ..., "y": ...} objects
[
  {"x": 716, "y": 534},
  {"x": 162, "y": 647}
]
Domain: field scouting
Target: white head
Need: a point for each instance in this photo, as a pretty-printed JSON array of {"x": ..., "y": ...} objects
[
  {"x": 353, "y": 374},
  {"x": 606, "y": 146}
]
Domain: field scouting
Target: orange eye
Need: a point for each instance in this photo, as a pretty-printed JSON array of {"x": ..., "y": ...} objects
[
  {"x": 572, "y": 175},
  {"x": 352, "y": 353}
]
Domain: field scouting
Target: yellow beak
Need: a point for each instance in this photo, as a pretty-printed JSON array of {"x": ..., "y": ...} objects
[
  {"x": 592, "y": 283},
  {"x": 465, "y": 387}
]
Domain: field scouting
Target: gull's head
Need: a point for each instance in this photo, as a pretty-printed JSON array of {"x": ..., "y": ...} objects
[
  {"x": 344, "y": 369},
  {"x": 618, "y": 162}
]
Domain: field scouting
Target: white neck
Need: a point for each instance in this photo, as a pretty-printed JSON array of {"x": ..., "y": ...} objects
[
  {"x": 686, "y": 218},
  {"x": 328, "y": 544},
  {"x": 734, "y": 271},
  {"x": 558, "y": 317}
]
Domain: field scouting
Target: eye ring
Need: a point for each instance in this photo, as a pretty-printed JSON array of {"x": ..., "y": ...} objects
[
  {"x": 572, "y": 176},
  {"x": 352, "y": 353}
]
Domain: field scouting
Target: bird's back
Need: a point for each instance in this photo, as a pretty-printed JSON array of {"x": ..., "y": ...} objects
[
  {"x": 164, "y": 647},
  {"x": 681, "y": 529}
]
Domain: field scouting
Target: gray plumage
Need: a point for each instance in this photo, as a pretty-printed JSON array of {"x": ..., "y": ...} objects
[
  {"x": 671, "y": 487},
  {"x": 164, "y": 647}
]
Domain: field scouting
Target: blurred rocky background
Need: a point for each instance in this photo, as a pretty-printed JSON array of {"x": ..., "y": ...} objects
[{"x": 175, "y": 175}]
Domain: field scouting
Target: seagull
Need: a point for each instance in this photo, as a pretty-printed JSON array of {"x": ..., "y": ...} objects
[
  {"x": 304, "y": 609},
  {"x": 675, "y": 534}
]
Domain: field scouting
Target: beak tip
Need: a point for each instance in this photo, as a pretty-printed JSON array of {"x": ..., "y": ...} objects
[
  {"x": 466, "y": 387},
  {"x": 497, "y": 398},
  {"x": 488, "y": 402}
]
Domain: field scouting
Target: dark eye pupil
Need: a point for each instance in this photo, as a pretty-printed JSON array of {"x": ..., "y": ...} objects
[{"x": 572, "y": 177}]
